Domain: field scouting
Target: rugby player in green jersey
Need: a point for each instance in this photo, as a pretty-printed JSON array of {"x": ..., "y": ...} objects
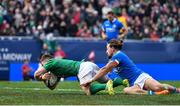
[{"x": 83, "y": 70}]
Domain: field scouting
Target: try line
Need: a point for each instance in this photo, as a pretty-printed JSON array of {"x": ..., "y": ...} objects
[
  {"x": 39, "y": 89},
  {"x": 46, "y": 89}
]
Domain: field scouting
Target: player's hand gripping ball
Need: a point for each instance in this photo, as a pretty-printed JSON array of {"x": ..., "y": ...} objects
[{"x": 52, "y": 81}]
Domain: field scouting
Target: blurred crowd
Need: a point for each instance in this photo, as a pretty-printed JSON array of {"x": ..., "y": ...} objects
[{"x": 154, "y": 19}]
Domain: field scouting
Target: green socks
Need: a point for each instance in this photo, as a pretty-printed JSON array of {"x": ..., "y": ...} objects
[
  {"x": 95, "y": 87},
  {"x": 117, "y": 82}
]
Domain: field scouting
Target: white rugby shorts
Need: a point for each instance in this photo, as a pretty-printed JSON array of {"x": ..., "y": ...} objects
[
  {"x": 140, "y": 81},
  {"x": 87, "y": 71}
]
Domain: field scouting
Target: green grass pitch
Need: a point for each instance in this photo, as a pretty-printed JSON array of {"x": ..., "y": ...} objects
[{"x": 69, "y": 93}]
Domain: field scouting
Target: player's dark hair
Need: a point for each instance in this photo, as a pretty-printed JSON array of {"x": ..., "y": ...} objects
[
  {"x": 111, "y": 12},
  {"x": 116, "y": 44},
  {"x": 45, "y": 57}
]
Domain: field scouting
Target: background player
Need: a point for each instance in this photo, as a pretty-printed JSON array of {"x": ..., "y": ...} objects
[
  {"x": 140, "y": 82},
  {"x": 111, "y": 28},
  {"x": 83, "y": 70}
]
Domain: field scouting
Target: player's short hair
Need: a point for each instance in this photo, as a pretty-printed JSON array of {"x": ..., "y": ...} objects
[
  {"x": 110, "y": 12},
  {"x": 45, "y": 57},
  {"x": 116, "y": 44}
]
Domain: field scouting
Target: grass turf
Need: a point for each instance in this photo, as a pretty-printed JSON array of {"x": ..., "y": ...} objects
[{"x": 69, "y": 93}]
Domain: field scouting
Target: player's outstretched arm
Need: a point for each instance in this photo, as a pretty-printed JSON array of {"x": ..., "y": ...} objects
[{"x": 103, "y": 71}]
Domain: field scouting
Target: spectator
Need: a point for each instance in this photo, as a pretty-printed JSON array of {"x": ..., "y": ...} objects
[
  {"x": 22, "y": 17},
  {"x": 27, "y": 71},
  {"x": 49, "y": 44},
  {"x": 96, "y": 30},
  {"x": 123, "y": 18},
  {"x": 59, "y": 53},
  {"x": 111, "y": 27},
  {"x": 73, "y": 28}
]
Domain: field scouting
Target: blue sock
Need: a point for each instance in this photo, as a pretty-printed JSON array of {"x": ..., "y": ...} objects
[
  {"x": 151, "y": 92},
  {"x": 175, "y": 90}
]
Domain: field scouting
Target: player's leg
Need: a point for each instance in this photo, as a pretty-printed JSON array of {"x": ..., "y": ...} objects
[
  {"x": 137, "y": 90},
  {"x": 151, "y": 84},
  {"x": 106, "y": 83},
  {"x": 178, "y": 89},
  {"x": 92, "y": 88},
  {"x": 171, "y": 88},
  {"x": 96, "y": 87},
  {"x": 154, "y": 85},
  {"x": 138, "y": 85},
  {"x": 144, "y": 81},
  {"x": 86, "y": 89},
  {"x": 118, "y": 81},
  {"x": 109, "y": 83},
  {"x": 134, "y": 90},
  {"x": 86, "y": 72}
]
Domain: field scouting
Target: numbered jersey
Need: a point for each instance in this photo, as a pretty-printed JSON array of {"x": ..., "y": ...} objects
[{"x": 112, "y": 29}]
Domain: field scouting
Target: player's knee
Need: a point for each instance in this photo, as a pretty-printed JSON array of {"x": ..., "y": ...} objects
[{"x": 158, "y": 87}]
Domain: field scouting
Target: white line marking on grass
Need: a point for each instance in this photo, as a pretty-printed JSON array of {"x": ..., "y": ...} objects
[
  {"x": 46, "y": 89},
  {"x": 39, "y": 89}
]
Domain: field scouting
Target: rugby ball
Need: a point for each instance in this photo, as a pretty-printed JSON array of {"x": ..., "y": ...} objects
[{"x": 52, "y": 82}]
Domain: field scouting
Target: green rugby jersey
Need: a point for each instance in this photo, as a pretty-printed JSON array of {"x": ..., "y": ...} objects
[{"x": 63, "y": 67}]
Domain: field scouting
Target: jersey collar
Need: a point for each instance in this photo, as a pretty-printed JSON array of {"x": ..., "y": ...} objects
[
  {"x": 113, "y": 20},
  {"x": 117, "y": 52}
]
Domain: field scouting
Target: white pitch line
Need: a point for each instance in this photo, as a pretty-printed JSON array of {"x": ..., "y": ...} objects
[
  {"x": 46, "y": 89},
  {"x": 38, "y": 89}
]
